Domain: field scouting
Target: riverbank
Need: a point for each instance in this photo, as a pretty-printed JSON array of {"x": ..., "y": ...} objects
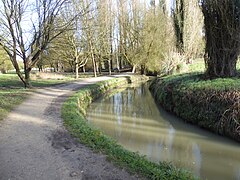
[
  {"x": 36, "y": 145},
  {"x": 210, "y": 104},
  {"x": 73, "y": 113}
]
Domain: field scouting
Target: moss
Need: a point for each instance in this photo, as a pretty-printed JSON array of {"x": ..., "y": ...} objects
[
  {"x": 73, "y": 114},
  {"x": 211, "y": 104}
]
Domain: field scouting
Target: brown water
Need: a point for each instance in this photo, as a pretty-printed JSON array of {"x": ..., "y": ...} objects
[{"x": 134, "y": 120}]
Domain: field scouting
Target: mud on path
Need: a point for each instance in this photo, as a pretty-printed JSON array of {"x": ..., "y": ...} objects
[{"x": 35, "y": 145}]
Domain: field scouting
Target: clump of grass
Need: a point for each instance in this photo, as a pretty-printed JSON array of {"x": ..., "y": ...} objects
[
  {"x": 211, "y": 104},
  {"x": 73, "y": 112}
]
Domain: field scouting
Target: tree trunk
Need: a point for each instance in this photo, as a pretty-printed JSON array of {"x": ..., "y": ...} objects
[
  {"x": 143, "y": 69},
  {"x": 27, "y": 82},
  {"x": 109, "y": 67},
  {"x": 222, "y": 37},
  {"x": 134, "y": 69},
  {"x": 220, "y": 67},
  {"x": 21, "y": 77},
  {"x": 99, "y": 66},
  {"x": 76, "y": 68},
  {"x": 84, "y": 70},
  {"x": 94, "y": 66},
  {"x": 178, "y": 20}
]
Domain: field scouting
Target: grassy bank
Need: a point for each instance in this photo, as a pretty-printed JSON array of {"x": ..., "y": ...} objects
[
  {"x": 12, "y": 92},
  {"x": 10, "y": 98},
  {"x": 211, "y": 104},
  {"x": 73, "y": 112}
]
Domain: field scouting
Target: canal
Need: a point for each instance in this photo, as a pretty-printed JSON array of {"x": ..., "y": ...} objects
[{"x": 132, "y": 117}]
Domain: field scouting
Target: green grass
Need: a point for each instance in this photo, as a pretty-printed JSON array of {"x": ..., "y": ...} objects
[
  {"x": 73, "y": 112},
  {"x": 10, "y": 98},
  {"x": 195, "y": 81},
  {"x": 211, "y": 104},
  {"x": 12, "y": 81},
  {"x": 197, "y": 66},
  {"x": 12, "y": 92}
]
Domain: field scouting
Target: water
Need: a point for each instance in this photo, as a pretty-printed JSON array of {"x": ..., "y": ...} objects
[{"x": 134, "y": 120}]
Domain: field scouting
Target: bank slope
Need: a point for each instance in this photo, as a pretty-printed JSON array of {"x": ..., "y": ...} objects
[
  {"x": 211, "y": 104},
  {"x": 73, "y": 113}
]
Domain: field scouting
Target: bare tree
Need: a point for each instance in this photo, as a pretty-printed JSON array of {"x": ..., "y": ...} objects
[
  {"x": 88, "y": 22},
  {"x": 105, "y": 33},
  {"x": 28, "y": 44},
  {"x": 193, "y": 30}
]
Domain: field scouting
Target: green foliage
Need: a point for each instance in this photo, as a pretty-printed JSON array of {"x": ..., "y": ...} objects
[
  {"x": 212, "y": 104},
  {"x": 155, "y": 44},
  {"x": 73, "y": 112},
  {"x": 5, "y": 63}
]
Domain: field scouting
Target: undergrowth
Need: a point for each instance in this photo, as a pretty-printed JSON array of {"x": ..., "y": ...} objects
[{"x": 73, "y": 113}]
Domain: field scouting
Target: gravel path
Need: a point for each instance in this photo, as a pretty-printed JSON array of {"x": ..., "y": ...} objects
[{"x": 35, "y": 145}]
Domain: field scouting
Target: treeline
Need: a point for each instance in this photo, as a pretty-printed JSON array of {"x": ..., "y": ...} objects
[
  {"x": 150, "y": 37},
  {"x": 112, "y": 35},
  {"x": 100, "y": 35}
]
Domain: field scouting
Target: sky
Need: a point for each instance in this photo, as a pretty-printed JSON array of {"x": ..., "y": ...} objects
[{"x": 169, "y": 3}]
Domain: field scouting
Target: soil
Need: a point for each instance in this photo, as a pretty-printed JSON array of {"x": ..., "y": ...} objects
[{"x": 35, "y": 145}]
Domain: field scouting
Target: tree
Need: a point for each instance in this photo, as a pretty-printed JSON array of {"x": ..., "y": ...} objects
[
  {"x": 222, "y": 32},
  {"x": 88, "y": 33},
  {"x": 29, "y": 43},
  {"x": 193, "y": 31},
  {"x": 178, "y": 19},
  {"x": 105, "y": 34}
]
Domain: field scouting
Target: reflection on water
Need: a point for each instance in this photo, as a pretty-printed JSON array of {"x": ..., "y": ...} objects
[{"x": 134, "y": 120}]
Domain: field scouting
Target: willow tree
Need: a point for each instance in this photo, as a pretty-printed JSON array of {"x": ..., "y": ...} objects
[{"x": 222, "y": 26}]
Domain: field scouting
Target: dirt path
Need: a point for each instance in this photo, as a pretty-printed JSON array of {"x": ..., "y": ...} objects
[{"x": 35, "y": 145}]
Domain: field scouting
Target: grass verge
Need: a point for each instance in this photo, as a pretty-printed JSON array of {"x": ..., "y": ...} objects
[
  {"x": 10, "y": 98},
  {"x": 211, "y": 104},
  {"x": 73, "y": 113},
  {"x": 12, "y": 92}
]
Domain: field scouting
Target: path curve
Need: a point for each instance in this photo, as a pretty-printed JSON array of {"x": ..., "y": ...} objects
[{"x": 35, "y": 145}]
